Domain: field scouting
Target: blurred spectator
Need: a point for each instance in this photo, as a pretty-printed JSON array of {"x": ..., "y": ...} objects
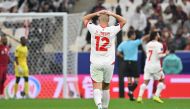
[
  {"x": 186, "y": 33},
  {"x": 167, "y": 37},
  {"x": 147, "y": 8},
  {"x": 187, "y": 23},
  {"x": 160, "y": 23},
  {"x": 171, "y": 8},
  {"x": 179, "y": 41},
  {"x": 180, "y": 14},
  {"x": 185, "y": 4},
  {"x": 188, "y": 45},
  {"x": 172, "y": 63},
  {"x": 62, "y": 7},
  {"x": 174, "y": 24},
  {"x": 138, "y": 21}
]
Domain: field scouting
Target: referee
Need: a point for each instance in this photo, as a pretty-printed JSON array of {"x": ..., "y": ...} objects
[{"x": 128, "y": 50}]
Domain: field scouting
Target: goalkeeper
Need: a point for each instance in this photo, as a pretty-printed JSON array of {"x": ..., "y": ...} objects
[{"x": 21, "y": 67}]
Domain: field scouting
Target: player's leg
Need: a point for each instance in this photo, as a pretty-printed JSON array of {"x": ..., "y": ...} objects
[
  {"x": 135, "y": 75},
  {"x": 147, "y": 77},
  {"x": 105, "y": 95},
  {"x": 16, "y": 85},
  {"x": 26, "y": 85},
  {"x": 97, "y": 78},
  {"x": 159, "y": 76},
  {"x": 108, "y": 73},
  {"x": 18, "y": 76},
  {"x": 1, "y": 82}
]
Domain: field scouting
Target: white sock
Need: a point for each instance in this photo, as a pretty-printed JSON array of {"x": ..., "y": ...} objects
[
  {"x": 105, "y": 98},
  {"x": 159, "y": 89},
  {"x": 97, "y": 96},
  {"x": 142, "y": 89}
]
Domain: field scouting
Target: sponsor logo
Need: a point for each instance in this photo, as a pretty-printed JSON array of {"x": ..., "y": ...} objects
[{"x": 34, "y": 88}]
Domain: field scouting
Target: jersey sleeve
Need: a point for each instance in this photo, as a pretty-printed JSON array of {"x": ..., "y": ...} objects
[
  {"x": 138, "y": 42},
  {"x": 119, "y": 48},
  {"x": 91, "y": 27}
]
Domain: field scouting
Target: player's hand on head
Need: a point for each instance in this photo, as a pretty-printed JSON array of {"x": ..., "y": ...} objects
[
  {"x": 101, "y": 12},
  {"x": 109, "y": 13}
]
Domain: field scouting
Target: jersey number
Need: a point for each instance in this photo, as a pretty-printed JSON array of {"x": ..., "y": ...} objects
[
  {"x": 105, "y": 41},
  {"x": 150, "y": 52}
]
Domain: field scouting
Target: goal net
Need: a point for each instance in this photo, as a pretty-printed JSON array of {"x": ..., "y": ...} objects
[{"x": 52, "y": 58}]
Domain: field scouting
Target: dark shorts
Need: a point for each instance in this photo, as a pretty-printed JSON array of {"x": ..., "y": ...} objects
[
  {"x": 3, "y": 72},
  {"x": 130, "y": 69}
]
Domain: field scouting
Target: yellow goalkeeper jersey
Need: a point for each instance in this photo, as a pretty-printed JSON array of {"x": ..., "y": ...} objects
[{"x": 21, "y": 53}]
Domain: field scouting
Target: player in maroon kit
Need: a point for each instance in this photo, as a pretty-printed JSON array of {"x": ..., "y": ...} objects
[{"x": 4, "y": 61}]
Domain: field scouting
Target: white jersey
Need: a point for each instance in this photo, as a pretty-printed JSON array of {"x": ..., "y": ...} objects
[
  {"x": 102, "y": 43},
  {"x": 154, "y": 51}
]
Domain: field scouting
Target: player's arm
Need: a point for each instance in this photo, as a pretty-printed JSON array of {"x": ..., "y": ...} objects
[
  {"x": 145, "y": 38},
  {"x": 88, "y": 17},
  {"x": 120, "y": 19},
  {"x": 161, "y": 54},
  {"x": 119, "y": 51},
  {"x": 120, "y": 54}
]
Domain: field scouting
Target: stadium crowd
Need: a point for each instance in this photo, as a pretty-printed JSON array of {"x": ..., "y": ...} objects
[
  {"x": 23, "y": 6},
  {"x": 171, "y": 17}
]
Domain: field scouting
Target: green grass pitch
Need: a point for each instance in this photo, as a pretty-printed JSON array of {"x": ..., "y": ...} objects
[{"x": 89, "y": 104}]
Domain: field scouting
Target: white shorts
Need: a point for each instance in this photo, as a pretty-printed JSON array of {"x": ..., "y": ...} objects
[
  {"x": 155, "y": 73},
  {"x": 101, "y": 73}
]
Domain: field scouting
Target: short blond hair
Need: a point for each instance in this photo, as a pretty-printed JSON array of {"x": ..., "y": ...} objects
[{"x": 104, "y": 18}]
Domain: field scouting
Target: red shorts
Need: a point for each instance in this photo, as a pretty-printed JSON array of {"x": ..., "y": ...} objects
[{"x": 3, "y": 72}]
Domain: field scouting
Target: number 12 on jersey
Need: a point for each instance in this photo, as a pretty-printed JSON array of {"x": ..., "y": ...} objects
[{"x": 105, "y": 42}]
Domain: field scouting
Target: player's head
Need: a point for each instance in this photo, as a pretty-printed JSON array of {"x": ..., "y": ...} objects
[
  {"x": 4, "y": 40},
  {"x": 154, "y": 35},
  {"x": 23, "y": 40},
  {"x": 103, "y": 19},
  {"x": 131, "y": 35}
]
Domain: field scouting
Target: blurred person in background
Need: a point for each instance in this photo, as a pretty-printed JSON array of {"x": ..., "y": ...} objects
[
  {"x": 172, "y": 63},
  {"x": 21, "y": 67},
  {"x": 188, "y": 45},
  {"x": 167, "y": 37},
  {"x": 4, "y": 61},
  {"x": 153, "y": 69},
  {"x": 185, "y": 4},
  {"x": 138, "y": 22},
  {"x": 179, "y": 41},
  {"x": 160, "y": 23},
  {"x": 181, "y": 15},
  {"x": 128, "y": 50},
  {"x": 147, "y": 8},
  {"x": 187, "y": 23}
]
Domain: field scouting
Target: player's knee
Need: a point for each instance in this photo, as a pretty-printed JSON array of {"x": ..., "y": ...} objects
[
  {"x": 26, "y": 79},
  {"x": 17, "y": 79},
  {"x": 143, "y": 86},
  {"x": 106, "y": 86},
  {"x": 161, "y": 85}
]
